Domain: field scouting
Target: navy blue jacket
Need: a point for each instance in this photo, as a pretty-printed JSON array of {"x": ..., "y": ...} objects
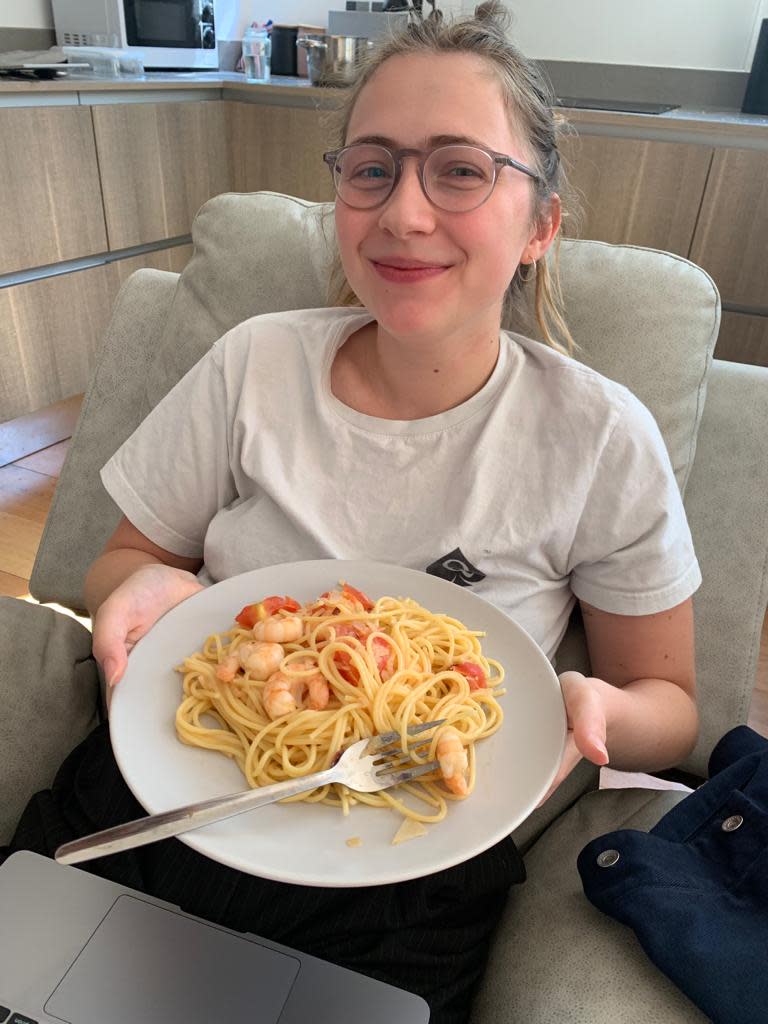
[{"x": 695, "y": 888}]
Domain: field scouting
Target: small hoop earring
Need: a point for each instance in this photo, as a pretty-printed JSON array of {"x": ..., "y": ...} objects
[{"x": 527, "y": 271}]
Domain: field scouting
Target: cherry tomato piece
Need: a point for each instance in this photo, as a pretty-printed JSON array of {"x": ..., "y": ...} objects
[{"x": 473, "y": 673}]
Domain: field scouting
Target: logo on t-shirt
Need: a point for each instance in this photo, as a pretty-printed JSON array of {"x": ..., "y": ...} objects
[{"x": 456, "y": 568}]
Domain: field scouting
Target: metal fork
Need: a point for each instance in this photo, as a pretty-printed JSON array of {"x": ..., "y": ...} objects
[{"x": 367, "y": 766}]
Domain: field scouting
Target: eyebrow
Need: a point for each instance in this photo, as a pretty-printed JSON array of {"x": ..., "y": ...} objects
[{"x": 433, "y": 140}]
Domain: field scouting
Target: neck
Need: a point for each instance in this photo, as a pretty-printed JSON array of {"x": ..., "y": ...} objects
[{"x": 380, "y": 374}]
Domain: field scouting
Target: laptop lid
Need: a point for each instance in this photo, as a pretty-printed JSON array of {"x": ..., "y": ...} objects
[{"x": 78, "y": 948}]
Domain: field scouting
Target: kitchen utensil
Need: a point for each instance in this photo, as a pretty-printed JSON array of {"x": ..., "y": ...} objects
[
  {"x": 333, "y": 60},
  {"x": 370, "y": 765}
]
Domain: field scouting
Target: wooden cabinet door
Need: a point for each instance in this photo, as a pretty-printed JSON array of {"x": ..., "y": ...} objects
[
  {"x": 279, "y": 149},
  {"x": 731, "y": 240},
  {"x": 159, "y": 163},
  {"x": 52, "y": 200},
  {"x": 743, "y": 339},
  {"x": 636, "y": 192}
]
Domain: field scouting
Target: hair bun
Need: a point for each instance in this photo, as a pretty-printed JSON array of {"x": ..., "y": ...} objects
[{"x": 494, "y": 14}]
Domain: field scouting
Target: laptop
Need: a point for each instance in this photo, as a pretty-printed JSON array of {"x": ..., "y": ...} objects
[{"x": 81, "y": 949}]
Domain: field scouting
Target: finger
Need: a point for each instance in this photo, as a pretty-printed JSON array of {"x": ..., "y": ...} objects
[
  {"x": 109, "y": 642},
  {"x": 585, "y": 716},
  {"x": 571, "y": 757},
  {"x": 589, "y": 728}
]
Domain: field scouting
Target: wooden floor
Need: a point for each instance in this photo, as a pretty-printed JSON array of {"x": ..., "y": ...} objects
[{"x": 32, "y": 452}]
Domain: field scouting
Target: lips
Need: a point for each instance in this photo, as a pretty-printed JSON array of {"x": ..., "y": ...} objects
[
  {"x": 403, "y": 271},
  {"x": 403, "y": 264}
]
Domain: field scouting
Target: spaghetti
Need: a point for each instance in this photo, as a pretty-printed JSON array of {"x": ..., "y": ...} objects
[{"x": 382, "y": 666}]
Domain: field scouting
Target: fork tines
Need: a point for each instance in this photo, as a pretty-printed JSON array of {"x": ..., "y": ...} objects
[
  {"x": 379, "y": 743},
  {"x": 396, "y": 776}
]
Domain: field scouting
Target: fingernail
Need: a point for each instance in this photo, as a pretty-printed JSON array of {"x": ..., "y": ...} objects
[
  {"x": 110, "y": 671},
  {"x": 601, "y": 747}
]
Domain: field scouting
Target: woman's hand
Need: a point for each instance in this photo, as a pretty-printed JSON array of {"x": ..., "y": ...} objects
[
  {"x": 132, "y": 609},
  {"x": 587, "y": 724}
]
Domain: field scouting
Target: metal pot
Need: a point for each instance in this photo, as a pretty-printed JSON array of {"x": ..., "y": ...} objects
[{"x": 334, "y": 60}]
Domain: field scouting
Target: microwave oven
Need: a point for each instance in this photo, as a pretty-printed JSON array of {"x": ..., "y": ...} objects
[{"x": 162, "y": 34}]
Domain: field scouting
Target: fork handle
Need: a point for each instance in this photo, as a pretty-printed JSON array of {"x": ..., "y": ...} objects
[{"x": 184, "y": 819}]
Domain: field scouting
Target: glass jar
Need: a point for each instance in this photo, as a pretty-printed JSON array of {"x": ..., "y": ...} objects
[{"x": 257, "y": 48}]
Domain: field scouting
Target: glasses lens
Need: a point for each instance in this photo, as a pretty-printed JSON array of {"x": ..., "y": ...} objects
[
  {"x": 458, "y": 177},
  {"x": 364, "y": 175}
]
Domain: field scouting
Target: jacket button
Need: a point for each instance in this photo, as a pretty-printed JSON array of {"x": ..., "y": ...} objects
[
  {"x": 732, "y": 823},
  {"x": 607, "y": 858}
]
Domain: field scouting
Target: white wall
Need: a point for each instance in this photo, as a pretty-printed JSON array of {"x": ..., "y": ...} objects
[
  {"x": 232, "y": 16},
  {"x": 717, "y": 34},
  {"x": 26, "y": 14}
]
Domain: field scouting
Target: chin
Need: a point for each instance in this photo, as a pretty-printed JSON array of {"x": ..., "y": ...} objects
[{"x": 412, "y": 319}]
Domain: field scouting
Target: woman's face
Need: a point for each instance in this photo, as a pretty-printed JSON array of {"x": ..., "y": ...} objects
[{"x": 468, "y": 258}]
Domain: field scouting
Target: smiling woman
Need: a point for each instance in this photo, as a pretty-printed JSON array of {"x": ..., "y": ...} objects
[
  {"x": 433, "y": 257},
  {"x": 424, "y": 435},
  {"x": 526, "y": 107}
]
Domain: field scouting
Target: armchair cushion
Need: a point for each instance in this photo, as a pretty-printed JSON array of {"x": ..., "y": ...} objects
[
  {"x": 559, "y": 960},
  {"x": 49, "y": 692}
]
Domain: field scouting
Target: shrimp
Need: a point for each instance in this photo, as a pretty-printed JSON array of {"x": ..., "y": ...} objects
[
  {"x": 284, "y": 692},
  {"x": 279, "y": 629},
  {"x": 260, "y": 660},
  {"x": 453, "y": 760},
  {"x": 281, "y": 695},
  {"x": 227, "y": 669}
]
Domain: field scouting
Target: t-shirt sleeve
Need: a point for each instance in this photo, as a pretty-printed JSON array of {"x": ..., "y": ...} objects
[
  {"x": 173, "y": 474},
  {"x": 632, "y": 552}
]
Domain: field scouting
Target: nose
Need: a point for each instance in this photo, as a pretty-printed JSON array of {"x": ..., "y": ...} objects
[{"x": 407, "y": 210}]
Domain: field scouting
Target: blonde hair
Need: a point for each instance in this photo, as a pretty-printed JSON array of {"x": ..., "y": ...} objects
[{"x": 529, "y": 98}]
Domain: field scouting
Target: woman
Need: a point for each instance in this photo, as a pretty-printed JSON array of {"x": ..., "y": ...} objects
[{"x": 552, "y": 483}]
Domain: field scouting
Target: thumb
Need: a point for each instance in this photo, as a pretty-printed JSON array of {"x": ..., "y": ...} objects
[
  {"x": 110, "y": 634},
  {"x": 586, "y": 717}
]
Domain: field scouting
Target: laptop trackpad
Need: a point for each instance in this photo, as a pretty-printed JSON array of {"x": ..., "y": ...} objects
[{"x": 148, "y": 965}]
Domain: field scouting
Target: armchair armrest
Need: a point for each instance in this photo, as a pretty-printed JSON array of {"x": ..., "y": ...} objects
[
  {"x": 727, "y": 505},
  {"x": 82, "y": 515},
  {"x": 49, "y": 693}
]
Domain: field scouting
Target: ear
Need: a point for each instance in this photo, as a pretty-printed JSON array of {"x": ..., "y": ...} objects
[{"x": 546, "y": 227}]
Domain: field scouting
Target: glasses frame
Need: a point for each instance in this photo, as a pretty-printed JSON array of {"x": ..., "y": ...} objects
[{"x": 500, "y": 160}]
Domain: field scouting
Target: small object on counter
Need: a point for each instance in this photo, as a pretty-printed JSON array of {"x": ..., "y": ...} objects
[
  {"x": 257, "y": 53},
  {"x": 334, "y": 60},
  {"x": 284, "y": 49},
  {"x": 106, "y": 62},
  {"x": 302, "y": 67}
]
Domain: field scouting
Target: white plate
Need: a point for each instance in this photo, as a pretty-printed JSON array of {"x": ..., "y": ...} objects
[{"x": 305, "y": 843}]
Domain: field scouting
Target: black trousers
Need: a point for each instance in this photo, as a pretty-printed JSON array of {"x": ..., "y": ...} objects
[{"x": 429, "y": 936}]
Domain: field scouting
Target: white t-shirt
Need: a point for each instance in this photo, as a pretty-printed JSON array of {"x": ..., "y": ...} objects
[{"x": 551, "y": 481}]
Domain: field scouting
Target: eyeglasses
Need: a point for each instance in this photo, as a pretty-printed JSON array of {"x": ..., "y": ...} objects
[{"x": 457, "y": 178}]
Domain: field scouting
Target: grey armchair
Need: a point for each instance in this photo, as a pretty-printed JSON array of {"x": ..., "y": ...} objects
[{"x": 646, "y": 318}]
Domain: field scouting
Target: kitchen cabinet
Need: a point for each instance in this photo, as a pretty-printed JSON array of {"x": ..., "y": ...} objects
[
  {"x": 636, "y": 192},
  {"x": 279, "y": 149},
  {"x": 743, "y": 339},
  {"x": 731, "y": 239},
  {"x": 159, "y": 162},
  {"x": 51, "y": 329},
  {"x": 51, "y": 209}
]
